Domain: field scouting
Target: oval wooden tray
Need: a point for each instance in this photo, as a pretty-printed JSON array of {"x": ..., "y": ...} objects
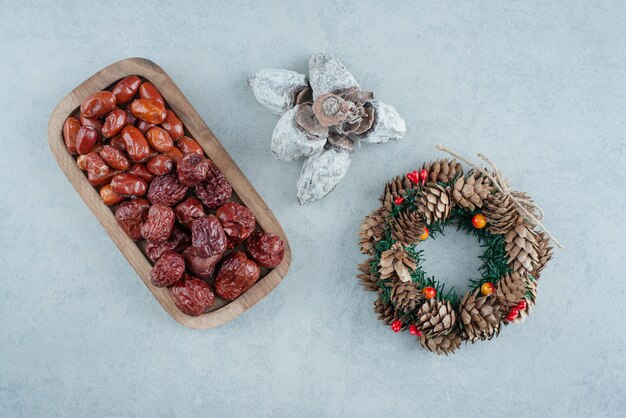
[{"x": 201, "y": 133}]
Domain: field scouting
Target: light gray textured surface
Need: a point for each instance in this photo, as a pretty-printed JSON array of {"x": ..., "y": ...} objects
[{"x": 537, "y": 86}]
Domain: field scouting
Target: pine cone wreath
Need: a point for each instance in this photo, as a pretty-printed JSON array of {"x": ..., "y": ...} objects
[
  {"x": 396, "y": 261},
  {"x": 436, "y": 318},
  {"x": 386, "y": 312},
  {"x": 521, "y": 247},
  {"x": 530, "y": 297},
  {"x": 544, "y": 253},
  {"x": 407, "y": 227},
  {"x": 405, "y": 295},
  {"x": 372, "y": 231},
  {"x": 367, "y": 279},
  {"x": 442, "y": 344},
  {"x": 435, "y": 203},
  {"x": 396, "y": 187},
  {"x": 501, "y": 213},
  {"x": 479, "y": 316},
  {"x": 443, "y": 170},
  {"x": 510, "y": 290},
  {"x": 470, "y": 191}
]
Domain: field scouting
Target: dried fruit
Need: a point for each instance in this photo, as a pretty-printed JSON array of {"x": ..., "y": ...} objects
[
  {"x": 188, "y": 145},
  {"x": 159, "y": 224},
  {"x": 70, "y": 131},
  {"x": 160, "y": 165},
  {"x": 143, "y": 126},
  {"x": 97, "y": 104},
  {"x": 148, "y": 110},
  {"x": 141, "y": 170},
  {"x": 109, "y": 197},
  {"x": 192, "y": 169},
  {"x": 125, "y": 89},
  {"x": 167, "y": 270},
  {"x": 93, "y": 164},
  {"x": 131, "y": 215},
  {"x": 237, "y": 220},
  {"x": 159, "y": 139},
  {"x": 116, "y": 142},
  {"x": 148, "y": 91},
  {"x": 267, "y": 249},
  {"x": 192, "y": 296},
  {"x": 189, "y": 210},
  {"x": 98, "y": 180},
  {"x": 215, "y": 190},
  {"x": 127, "y": 184},
  {"x": 173, "y": 125},
  {"x": 114, "y": 158},
  {"x": 236, "y": 275},
  {"x": 175, "y": 154},
  {"x": 166, "y": 190},
  {"x": 207, "y": 235},
  {"x": 94, "y": 123},
  {"x": 135, "y": 144},
  {"x": 177, "y": 242},
  {"x": 85, "y": 139},
  {"x": 113, "y": 123},
  {"x": 199, "y": 264}
]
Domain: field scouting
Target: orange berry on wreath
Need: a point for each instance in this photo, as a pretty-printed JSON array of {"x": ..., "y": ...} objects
[
  {"x": 487, "y": 288},
  {"x": 425, "y": 234},
  {"x": 429, "y": 292},
  {"x": 479, "y": 221}
]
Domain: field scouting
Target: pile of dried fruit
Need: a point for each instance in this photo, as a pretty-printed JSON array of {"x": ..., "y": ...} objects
[{"x": 165, "y": 191}]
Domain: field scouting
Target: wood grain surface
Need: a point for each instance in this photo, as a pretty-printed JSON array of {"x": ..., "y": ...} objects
[{"x": 200, "y": 132}]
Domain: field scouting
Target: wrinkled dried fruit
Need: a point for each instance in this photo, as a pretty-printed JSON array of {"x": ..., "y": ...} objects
[
  {"x": 85, "y": 139},
  {"x": 236, "y": 275},
  {"x": 143, "y": 126},
  {"x": 127, "y": 184},
  {"x": 160, "y": 165},
  {"x": 114, "y": 158},
  {"x": 237, "y": 220},
  {"x": 159, "y": 139},
  {"x": 93, "y": 164},
  {"x": 215, "y": 190},
  {"x": 159, "y": 224},
  {"x": 267, "y": 249},
  {"x": 131, "y": 215},
  {"x": 98, "y": 180},
  {"x": 177, "y": 242},
  {"x": 148, "y": 91},
  {"x": 135, "y": 144},
  {"x": 175, "y": 154},
  {"x": 167, "y": 270},
  {"x": 130, "y": 118},
  {"x": 173, "y": 125},
  {"x": 126, "y": 88},
  {"x": 166, "y": 190},
  {"x": 97, "y": 104},
  {"x": 140, "y": 170},
  {"x": 192, "y": 296},
  {"x": 148, "y": 110},
  {"x": 188, "y": 145},
  {"x": 70, "y": 131},
  {"x": 189, "y": 210},
  {"x": 192, "y": 169},
  {"x": 113, "y": 123},
  {"x": 116, "y": 142},
  {"x": 200, "y": 265},
  {"x": 207, "y": 235},
  {"x": 94, "y": 123},
  {"x": 109, "y": 197}
]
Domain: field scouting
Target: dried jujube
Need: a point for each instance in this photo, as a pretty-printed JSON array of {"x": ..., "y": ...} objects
[
  {"x": 125, "y": 89},
  {"x": 160, "y": 165},
  {"x": 97, "y": 104},
  {"x": 192, "y": 296},
  {"x": 188, "y": 210},
  {"x": 173, "y": 125},
  {"x": 166, "y": 190},
  {"x": 142, "y": 171},
  {"x": 126, "y": 184},
  {"x": 215, "y": 190},
  {"x": 267, "y": 249},
  {"x": 70, "y": 130},
  {"x": 130, "y": 215},
  {"x": 159, "y": 224},
  {"x": 199, "y": 264},
  {"x": 192, "y": 169},
  {"x": 114, "y": 158},
  {"x": 109, "y": 197},
  {"x": 147, "y": 90},
  {"x": 236, "y": 275},
  {"x": 177, "y": 242},
  {"x": 85, "y": 139},
  {"x": 135, "y": 143},
  {"x": 207, "y": 235},
  {"x": 113, "y": 123},
  {"x": 148, "y": 110},
  {"x": 159, "y": 139},
  {"x": 188, "y": 145},
  {"x": 167, "y": 270},
  {"x": 237, "y": 220}
]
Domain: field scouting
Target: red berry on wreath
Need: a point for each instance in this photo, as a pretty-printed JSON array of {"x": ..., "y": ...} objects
[
  {"x": 396, "y": 326},
  {"x": 479, "y": 221},
  {"x": 413, "y": 329},
  {"x": 521, "y": 306},
  {"x": 424, "y": 234},
  {"x": 423, "y": 176},
  {"x": 512, "y": 314},
  {"x": 413, "y": 177},
  {"x": 487, "y": 288},
  {"x": 398, "y": 201},
  {"x": 429, "y": 292}
]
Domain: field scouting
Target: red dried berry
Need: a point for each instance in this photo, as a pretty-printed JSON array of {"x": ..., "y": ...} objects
[
  {"x": 159, "y": 224},
  {"x": 267, "y": 249},
  {"x": 200, "y": 265},
  {"x": 188, "y": 210},
  {"x": 131, "y": 215},
  {"x": 168, "y": 270},
  {"x": 166, "y": 190},
  {"x": 207, "y": 235},
  {"x": 237, "y": 220},
  {"x": 192, "y": 169},
  {"x": 177, "y": 242},
  {"x": 192, "y": 296},
  {"x": 215, "y": 190},
  {"x": 236, "y": 275}
]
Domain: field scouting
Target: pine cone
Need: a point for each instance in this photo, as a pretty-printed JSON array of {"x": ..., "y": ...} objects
[
  {"x": 385, "y": 312},
  {"x": 367, "y": 279},
  {"x": 502, "y": 215},
  {"x": 510, "y": 290},
  {"x": 372, "y": 231},
  {"x": 405, "y": 296},
  {"x": 435, "y": 203},
  {"x": 443, "y": 170},
  {"x": 479, "y": 316},
  {"x": 436, "y": 318},
  {"x": 396, "y": 187},
  {"x": 530, "y": 297},
  {"x": 521, "y": 247},
  {"x": 407, "y": 227},
  {"x": 544, "y": 252},
  {"x": 442, "y": 344},
  {"x": 470, "y": 191},
  {"x": 396, "y": 261}
]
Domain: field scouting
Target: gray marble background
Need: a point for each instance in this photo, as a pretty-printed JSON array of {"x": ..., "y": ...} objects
[{"x": 538, "y": 86}]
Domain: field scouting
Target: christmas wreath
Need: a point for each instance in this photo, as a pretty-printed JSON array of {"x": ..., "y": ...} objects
[{"x": 421, "y": 204}]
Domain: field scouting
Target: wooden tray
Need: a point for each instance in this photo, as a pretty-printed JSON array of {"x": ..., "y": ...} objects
[{"x": 201, "y": 133}]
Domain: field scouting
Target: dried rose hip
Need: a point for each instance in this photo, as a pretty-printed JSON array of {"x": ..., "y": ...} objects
[
  {"x": 159, "y": 139},
  {"x": 192, "y": 169},
  {"x": 97, "y": 104},
  {"x": 189, "y": 210},
  {"x": 200, "y": 265},
  {"x": 85, "y": 139},
  {"x": 159, "y": 224},
  {"x": 207, "y": 235},
  {"x": 148, "y": 110},
  {"x": 192, "y": 296},
  {"x": 114, "y": 158},
  {"x": 177, "y": 242},
  {"x": 267, "y": 249},
  {"x": 168, "y": 270},
  {"x": 236, "y": 275},
  {"x": 188, "y": 146},
  {"x": 237, "y": 220},
  {"x": 109, "y": 197},
  {"x": 166, "y": 190},
  {"x": 126, "y": 184},
  {"x": 160, "y": 165},
  {"x": 113, "y": 123},
  {"x": 173, "y": 125},
  {"x": 148, "y": 91},
  {"x": 131, "y": 215},
  {"x": 70, "y": 131},
  {"x": 141, "y": 170},
  {"x": 215, "y": 190},
  {"x": 126, "y": 88}
]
